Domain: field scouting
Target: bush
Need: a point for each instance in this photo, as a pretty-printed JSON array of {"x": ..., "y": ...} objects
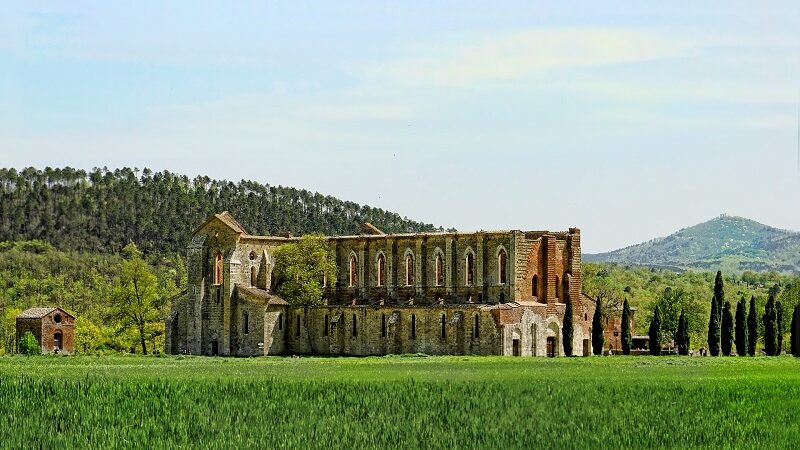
[{"x": 28, "y": 345}]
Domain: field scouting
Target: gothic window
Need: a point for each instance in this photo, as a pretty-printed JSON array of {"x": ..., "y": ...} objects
[
  {"x": 501, "y": 266},
  {"x": 409, "y": 269},
  {"x": 280, "y": 321},
  {"x": 57, "y": 340},
  {"x": 252, "y": 276},
  {"x": 325, "y": 330},
  {"x": 218, "y": 269},
  {"x": 355, "y": 326},
  {"x": 413, "y": 326},
  {"x": 444, "y": 328},
  {"x": 383, "y": 325},
  {"x": 535, "y": 286},
  {"x": 439, "y": 270},
  {"x": 469, "y": 269},
  {"x": 246, "y": 322},
  {"x": 353, "y": 271},
  {"x": 381, "y": 270},
  {"x": 476, "y": 330}
]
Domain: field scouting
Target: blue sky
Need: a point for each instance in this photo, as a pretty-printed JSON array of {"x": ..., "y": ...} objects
[{"x": 627, "y": 119}]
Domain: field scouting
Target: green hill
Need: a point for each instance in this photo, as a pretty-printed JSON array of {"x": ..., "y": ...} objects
[
  {"x": 732, "y": 244},
  {"x": 103, "y": 210}
]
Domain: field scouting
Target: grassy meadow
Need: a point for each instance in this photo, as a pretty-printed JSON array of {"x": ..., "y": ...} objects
[{"x": 469, "y": 402}]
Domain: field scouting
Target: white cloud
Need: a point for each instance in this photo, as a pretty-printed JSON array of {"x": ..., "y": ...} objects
[{"x": 514, "y": 55}]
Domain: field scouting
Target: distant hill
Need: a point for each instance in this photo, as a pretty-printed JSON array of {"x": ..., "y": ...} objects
[
  {"x": 103, "y": 210},
  {"x": 729, "y": 243}
]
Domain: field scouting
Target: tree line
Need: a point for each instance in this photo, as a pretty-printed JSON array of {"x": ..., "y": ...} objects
[{"x": 104, "y": 210}]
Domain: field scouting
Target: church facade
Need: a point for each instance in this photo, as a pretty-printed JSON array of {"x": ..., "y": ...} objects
[{"x": 439, "y": 293}]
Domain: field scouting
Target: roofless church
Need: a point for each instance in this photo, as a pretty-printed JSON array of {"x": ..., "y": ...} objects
[{"x": 439, "y": 293}]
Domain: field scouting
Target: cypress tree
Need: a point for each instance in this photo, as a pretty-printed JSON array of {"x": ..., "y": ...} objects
[
  {"x": 713, "y": 330},
  {"x": 655, "y": 333},
  {"x": 770, "y": 321},
  {"x": 727, "y": 329},
  {"x": 567, "y": 328},
  {"x": 683, "y": 335},
  {"x": 626, "y": 328},
  {"x": 752, "y": 328},
  {"x": 778, "y": 328},
  {"x": 598, "y": 339},
  {"x": 741, "y": 328},
  {"x": 792, "y": 333},
  {"x": 719, "y": 295}
]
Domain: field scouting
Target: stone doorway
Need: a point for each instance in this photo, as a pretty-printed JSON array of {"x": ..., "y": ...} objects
[
  {"x": 551, "y": 347},
  {"x": 214, "y": 348},
  {"x": 587, "y": 348},
  {"x": 57, "y": 340},
  {"x": 515, "y": 347}
]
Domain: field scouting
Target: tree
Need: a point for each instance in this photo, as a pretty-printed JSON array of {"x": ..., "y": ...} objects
[
  {"x": 727, "y": 330},
  {"x": 741, "y": 328},
  {"x": 626, "y": 328},
  {"x": 792, "y": 333},
  {"x": 752, "y": 328},
  {"x": 567, "y": 329},
  {"x": 770, "y": 319},
  {"x": 719, "y": 291},
  {"x": 655, "y": 334},
  {"x": 28, "y": 345},
  {"x": 598, "y": 338},
  {"x": 135, "y": 300},
  {"x": 778, "y": 328},
  {"x": 670, "y": 304},
  {"x": 683, "y": 335},
  {"x": 300, "y": 268},
  {"x": 714, "y": 330}
]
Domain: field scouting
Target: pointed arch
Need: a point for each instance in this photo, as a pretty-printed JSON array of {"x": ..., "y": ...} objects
[
  {"x": 218, "y": 268},
  {"x": 469, "y": 267},
  {"x": 438, "y": 267},
  {"x": 381, "y": 269},
  {"x": 502, "y": 265},
  {"x": 253, "y": 275},
  {"x": 352, "y": 270},
  {"x": 409, "y": 257}
]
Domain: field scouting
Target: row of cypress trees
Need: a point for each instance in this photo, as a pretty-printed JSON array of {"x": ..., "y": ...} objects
[{"x": 726, "y": 330}]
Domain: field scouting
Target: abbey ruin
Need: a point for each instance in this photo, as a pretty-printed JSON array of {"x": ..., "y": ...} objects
[{"x": 439, "y": 293}]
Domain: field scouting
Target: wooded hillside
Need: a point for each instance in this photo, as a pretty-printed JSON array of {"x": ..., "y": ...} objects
[{"x": 103, "y": 210}]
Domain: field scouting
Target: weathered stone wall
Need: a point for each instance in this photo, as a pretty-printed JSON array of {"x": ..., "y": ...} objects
[
  {"x": 45, "y": 329},
  {"x": 211, "y": 319}
]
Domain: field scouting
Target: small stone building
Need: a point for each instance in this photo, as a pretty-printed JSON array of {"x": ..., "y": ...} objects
[
  {"x": 441, "y": 293},
  {"x": 53, "y": 328}
]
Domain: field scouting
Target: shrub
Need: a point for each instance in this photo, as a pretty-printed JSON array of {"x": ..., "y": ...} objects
[{"x": 28, "y": 345}]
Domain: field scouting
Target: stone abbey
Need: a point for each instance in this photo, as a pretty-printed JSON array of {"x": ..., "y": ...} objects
[{"x": 439, "y": 293}]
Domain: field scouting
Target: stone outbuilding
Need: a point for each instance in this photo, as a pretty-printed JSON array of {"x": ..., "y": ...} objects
[{"x": 53, "y": 328}]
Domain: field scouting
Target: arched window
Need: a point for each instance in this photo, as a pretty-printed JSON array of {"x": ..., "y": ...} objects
[
  {"x": 469, "y": 269},
  {"x": 252, "y": 276},
  {"x": 297, "y": 327},
  {"x": 325, "y": 330},
  {"x": 246, "y": 322},
  {"x": 353, "y": 271},
  {"x": 413, "y": 326},
  {"x": 409, "y": 269},
  {"x": 383, "y": 325},
  {"x": 444, "y": 328},
  {"x": 535, "y": 286},
  {"x": 355, "y": 326},
  {"x": 439, "y": 270},
  {"x": 501, "y": 266},
  {"x": 218, "y": 269},
  {"x": 280, "y": 321},
  {"x": 381, "y": 270},
  {"x": 476, "y": 327}
]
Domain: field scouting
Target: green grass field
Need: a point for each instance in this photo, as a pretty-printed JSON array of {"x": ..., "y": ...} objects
[{"x": 624, "y": 402}]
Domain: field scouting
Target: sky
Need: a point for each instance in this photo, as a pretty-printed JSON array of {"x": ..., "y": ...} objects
[{"x": 629, "y": 120}]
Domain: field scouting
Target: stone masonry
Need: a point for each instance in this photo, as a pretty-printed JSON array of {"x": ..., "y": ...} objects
[{"x": 443, "y": 293}]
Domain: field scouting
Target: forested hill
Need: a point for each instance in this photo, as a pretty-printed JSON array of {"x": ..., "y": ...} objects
[
  {"x": 103, "y": 210},
  {"x": 733, "y": 244}
]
